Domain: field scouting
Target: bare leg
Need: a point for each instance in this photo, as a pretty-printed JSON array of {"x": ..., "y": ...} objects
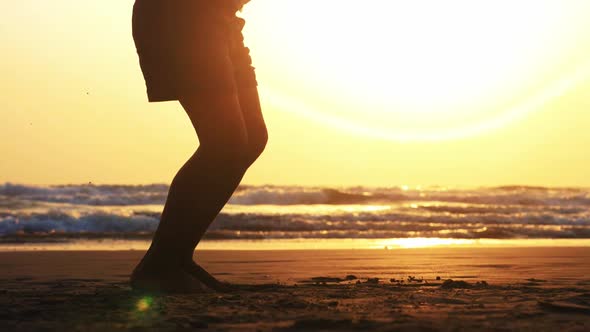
[
  {"x": 249, "y": 100},
  {"x": 257, "y": 139},
  {"x": 203, "y": 185}
]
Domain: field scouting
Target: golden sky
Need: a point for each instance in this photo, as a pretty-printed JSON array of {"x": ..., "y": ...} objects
[{"x": 354, "y": 92}]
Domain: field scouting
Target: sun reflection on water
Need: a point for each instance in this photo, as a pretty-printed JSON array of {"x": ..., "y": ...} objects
[{"x": 409, "y": 243}]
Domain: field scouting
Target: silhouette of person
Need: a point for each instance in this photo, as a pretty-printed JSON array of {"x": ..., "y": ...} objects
[{"x": 193, "y": 51}]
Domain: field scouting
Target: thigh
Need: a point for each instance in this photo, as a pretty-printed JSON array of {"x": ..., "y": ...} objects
[
  {"x": 245, "y": 80},
  {"x": 217, "y": 119},
  {"x": 252, "y": 113}
]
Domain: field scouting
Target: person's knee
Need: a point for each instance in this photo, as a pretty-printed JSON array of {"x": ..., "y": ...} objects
[
  {"x": 238, "y": 151},
  {"x": 230, "y": 150},
  {"x": 256, "y": 145}
]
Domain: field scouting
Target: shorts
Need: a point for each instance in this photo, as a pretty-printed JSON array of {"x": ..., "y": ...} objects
[{"x": 190, "y": 46}]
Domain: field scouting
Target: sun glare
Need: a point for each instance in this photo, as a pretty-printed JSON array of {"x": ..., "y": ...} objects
[
  {"x": 417, "y": 70},
  {"x": 413, "y": 243}
]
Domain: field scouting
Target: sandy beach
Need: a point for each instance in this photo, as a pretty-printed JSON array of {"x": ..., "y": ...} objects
[
  {"x": 341, "y": 165},
  {"x": 495, "y": 289}
]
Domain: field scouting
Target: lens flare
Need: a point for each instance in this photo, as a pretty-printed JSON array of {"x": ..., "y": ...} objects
[{"x": 144, "y": 304}]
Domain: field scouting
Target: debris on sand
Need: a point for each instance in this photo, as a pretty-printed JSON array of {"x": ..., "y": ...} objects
[
  {"x": 461, "y": 284},
  {"x": 438, "y": 278},
  {"x": 452, "y": 284},
  {"x": 414, "y": 279},
  {"x": 481, "y": 284},
  {"x": 325, "y": 279},
  {"x": 373, "y": 281},
  {"x": 332, "y": 304},
  {"x": 332, "y": 280}
]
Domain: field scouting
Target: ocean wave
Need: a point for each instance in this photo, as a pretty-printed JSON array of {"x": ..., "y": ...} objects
[
  {"x": 56, "y": 223},
  {"x": 122, "y": 195},
  {"x": 256, "y": 212},
  {"x": 103, "y": 195},
  {"x": 306, "y": 196},
  {"x": 303, "y": 225}
]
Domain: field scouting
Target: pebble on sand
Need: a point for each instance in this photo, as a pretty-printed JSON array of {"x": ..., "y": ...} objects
[
  {"x": 373, "y": 281},
  {"x": 452, "y": 284},
  {"x": 458, "y": 284},
  {"x": 325, "y": 279}
]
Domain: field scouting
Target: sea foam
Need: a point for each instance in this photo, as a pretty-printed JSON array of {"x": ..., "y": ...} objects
[{"x": 277, "y": 212}]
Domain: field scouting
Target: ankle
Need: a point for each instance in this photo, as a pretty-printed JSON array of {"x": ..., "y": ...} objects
[{"x": 160, "y": 259}]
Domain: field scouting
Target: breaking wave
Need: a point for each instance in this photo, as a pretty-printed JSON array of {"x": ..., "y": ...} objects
[
  {"x": 280, "y": 212},
  {"x": 104, "y": 195}
]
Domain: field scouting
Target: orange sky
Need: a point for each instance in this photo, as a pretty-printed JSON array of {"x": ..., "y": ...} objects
[{"x": 339, "y": 91}]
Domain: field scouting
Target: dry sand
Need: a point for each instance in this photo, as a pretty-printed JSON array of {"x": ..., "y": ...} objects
[{"x": 540, "y": 289}]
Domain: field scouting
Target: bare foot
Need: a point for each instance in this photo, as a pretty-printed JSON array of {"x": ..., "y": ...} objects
[
  {"x": 166, "y": 281},
  {"x": 206, "y": 278},
  {"x": 155, "y": 274}
]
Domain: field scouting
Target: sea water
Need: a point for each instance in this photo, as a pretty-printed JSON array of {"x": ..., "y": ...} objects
[{"x": 287, "y": 217}]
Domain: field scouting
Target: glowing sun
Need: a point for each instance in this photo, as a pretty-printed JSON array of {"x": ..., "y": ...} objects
[{"x": 417, "y": 70}]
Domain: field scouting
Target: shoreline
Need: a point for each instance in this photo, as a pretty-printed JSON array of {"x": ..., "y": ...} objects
[
  {"x": 68, "y": 244},
  {"x": 292, "y": 266}
]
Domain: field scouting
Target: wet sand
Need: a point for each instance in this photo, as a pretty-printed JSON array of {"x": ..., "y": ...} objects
[{"x": 498, "y": 289}]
